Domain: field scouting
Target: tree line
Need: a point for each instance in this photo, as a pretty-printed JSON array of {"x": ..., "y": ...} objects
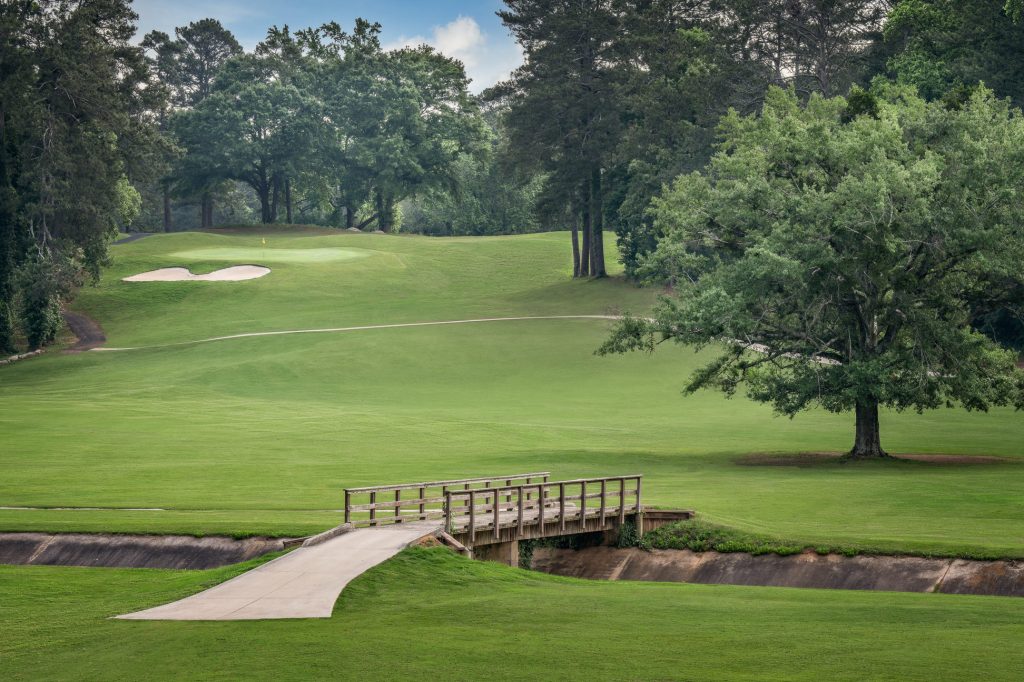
[{"x": 827, "y": 181}]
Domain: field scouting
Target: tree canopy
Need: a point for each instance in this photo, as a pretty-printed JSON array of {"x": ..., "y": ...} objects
[{"x": 837, "y": 253}]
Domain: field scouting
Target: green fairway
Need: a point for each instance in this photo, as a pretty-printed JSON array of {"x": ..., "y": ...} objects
[
  {"x": 429, "y": 612},
  {"x": 259, "y": 435},
  {"x": 274, "y": 255}
]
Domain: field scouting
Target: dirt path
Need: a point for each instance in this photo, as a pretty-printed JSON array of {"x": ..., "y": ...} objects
[
  {"x": 334, "y": 330},
  {"x": 90, "y": 334}
]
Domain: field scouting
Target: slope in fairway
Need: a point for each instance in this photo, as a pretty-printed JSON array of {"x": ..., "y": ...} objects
[
  {"x": 259, "y": 435},
  {"x": 430, "y": 613}
]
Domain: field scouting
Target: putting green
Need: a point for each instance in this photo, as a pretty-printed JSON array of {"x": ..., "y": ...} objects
[{"x": 272, "y": 255}]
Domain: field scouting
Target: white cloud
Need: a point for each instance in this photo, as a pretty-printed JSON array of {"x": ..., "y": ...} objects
[{"x": 487, "y": 59}]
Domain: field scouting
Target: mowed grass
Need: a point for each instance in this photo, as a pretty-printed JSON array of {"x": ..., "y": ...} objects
[
  {"x": 260, "y": 435},
  {"x": 429, "y": 614}
]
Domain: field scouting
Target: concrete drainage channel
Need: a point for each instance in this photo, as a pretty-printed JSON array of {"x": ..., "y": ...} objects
[
  {"x": 808, "y": 570},
  {"x": 133, "y": 551},
  {"x": 811, "y": 570}
]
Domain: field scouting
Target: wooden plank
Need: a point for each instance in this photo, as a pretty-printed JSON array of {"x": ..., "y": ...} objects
[
  {"x": 583, "y": 502},
  {"x": 373, "y": 510},
  {"x": 497, "y": 511},
  {"x": 472, "y": 517},
  {"x": 622, "y": 501},
  {"x": 390, "y": 504},
  {"x": 574, "y": 481},
  {"x": 604, "y": 499},
  {"x": 348, "y": 505},
  {"x": 519, "y": 514},
  {"x": 561, "y": 507},
  {"x": 540, "y": 508},
  {"x": 438, "y": 484},
  {"x": 398, "y": 504},
  {"x": 422, "y": 504}
]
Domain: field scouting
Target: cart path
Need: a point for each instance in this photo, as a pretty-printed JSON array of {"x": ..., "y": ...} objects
[
  {"x": 335, "y": 330},
  {"x": 90, "y": 334},
  {"x": 304, "y": 583}
]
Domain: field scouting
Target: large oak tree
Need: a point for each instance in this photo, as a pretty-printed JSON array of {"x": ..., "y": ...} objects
[{"x": 837, "y": 252}]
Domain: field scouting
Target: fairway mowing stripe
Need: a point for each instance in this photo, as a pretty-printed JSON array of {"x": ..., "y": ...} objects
[{"x": 331, "y": 330}]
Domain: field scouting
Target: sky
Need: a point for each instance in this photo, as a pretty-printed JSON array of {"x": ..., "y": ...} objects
[{"x": 467, "y": 30}]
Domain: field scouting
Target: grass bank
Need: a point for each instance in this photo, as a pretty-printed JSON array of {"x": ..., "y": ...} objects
[{"x": 429, "y": 612}]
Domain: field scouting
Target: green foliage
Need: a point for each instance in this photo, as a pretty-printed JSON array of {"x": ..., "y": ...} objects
[
  {"x": 489, "y": 200},
  {"x": 701, "y": 536},
  {"x": 845, "y": 262},
  {"x": 941, "y": 44},
  {"x": 75, "y": 128},
  {"x": 44, "y": 283},
  {"x": 629, "y": 536}
]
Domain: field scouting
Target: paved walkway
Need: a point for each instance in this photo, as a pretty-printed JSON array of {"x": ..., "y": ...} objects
[
  {"x": 335, "y": 330},
  {"x": 304, "y": 583}
]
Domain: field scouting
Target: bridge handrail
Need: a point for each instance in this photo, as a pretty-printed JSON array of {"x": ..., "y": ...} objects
[
  {"x": 568, "y": 481},
  {"x": 523, "y": 492},
  {"x": 422, "y": 499},
  {"x": 438, "y": 484}
]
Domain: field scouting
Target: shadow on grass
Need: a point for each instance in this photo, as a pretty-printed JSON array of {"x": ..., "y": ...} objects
[{"x": 810, "y": 459}]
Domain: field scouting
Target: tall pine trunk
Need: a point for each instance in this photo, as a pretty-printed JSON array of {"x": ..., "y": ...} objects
[
  {"x": 868, "y": 441},
  {"x": 597, "y": 268},
  {"x": 350, "y": 217},
  {"x": 206, "y": 210},
  {"x": 288, "y": 199},
  {"x": 275, "y": 199},
  {"x": 575, "y": 248},
  {"x": 168, "y": 220},
  {"x": 265, "y": 214},
  {"x": 585, "y": 225}
]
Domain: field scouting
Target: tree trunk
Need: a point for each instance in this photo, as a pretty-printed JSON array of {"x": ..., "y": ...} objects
[
  {"x": 288, "y": 199},
  {"x": 597, "y": 268},
  {"x": 205, "y": 211},
  {"x": 350, "y": 217},
  {"x": 168, "y": 221},
  {"x": 585, "y": 225},
  {"x": 868, "y": 441},
  {"x": 575, "y": 248},
  {"x": 275, "y": 199},
  {"x": 385, "y": 212},
  {"x": 265, "y": 215}
]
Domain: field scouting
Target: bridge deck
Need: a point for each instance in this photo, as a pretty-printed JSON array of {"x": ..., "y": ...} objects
[{"x": 304, "y": 583}]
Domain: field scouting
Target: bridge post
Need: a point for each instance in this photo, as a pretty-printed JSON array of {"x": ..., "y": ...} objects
[{"x": 519, "y": 512}]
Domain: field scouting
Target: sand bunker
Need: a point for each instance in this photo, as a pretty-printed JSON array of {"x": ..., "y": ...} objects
[{"x": 237, "y": 273}]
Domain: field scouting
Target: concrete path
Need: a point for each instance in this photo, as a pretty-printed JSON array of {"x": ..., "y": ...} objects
[
  {"x": 304, "y": 583},
  {"x": 335, "y": 330}
]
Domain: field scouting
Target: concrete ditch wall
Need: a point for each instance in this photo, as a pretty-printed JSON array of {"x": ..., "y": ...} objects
[
  {"x": 131, "y": 551},
  {"x": 896, "y": 574}
]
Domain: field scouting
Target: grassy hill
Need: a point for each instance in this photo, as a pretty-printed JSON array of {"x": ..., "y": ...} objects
[{"x": 260, "y": 435}]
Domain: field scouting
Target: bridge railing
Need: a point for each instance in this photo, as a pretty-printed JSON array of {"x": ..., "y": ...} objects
[
  {"x": 538, "y": 504},
  {"x": 387, "y": 504}
]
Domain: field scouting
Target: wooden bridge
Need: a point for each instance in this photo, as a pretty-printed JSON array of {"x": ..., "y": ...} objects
[
  {"x": 486, "y": 517},
  {"x": 483, "y": 517}
]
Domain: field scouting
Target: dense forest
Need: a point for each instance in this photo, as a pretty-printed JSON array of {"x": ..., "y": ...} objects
[{"x": 103, "y": 130}]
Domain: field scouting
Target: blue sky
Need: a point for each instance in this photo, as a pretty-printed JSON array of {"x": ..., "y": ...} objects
[{"x": 464, "y": 29}]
